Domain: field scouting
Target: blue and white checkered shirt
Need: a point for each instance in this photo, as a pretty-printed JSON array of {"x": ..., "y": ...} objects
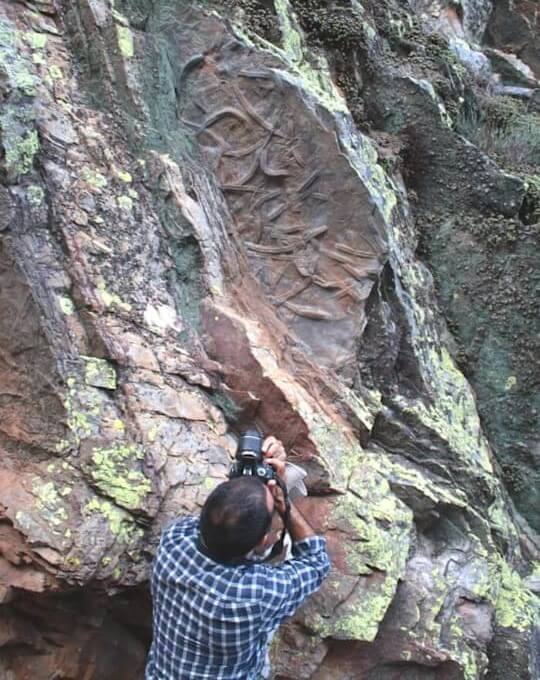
[{"x": 214, "y": 622}]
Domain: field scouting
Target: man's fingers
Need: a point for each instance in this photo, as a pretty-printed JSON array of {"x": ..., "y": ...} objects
[
  {"x": 273, "y": 448},
  {"x": 277, "y": 464},
  {"x": 268, "y": 443}
]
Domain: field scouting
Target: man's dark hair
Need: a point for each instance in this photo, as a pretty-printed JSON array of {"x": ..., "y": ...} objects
[{"x": 235, "y": 518}]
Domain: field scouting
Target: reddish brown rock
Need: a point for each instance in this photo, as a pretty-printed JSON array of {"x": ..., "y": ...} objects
[{"x": 196, "y": 235}]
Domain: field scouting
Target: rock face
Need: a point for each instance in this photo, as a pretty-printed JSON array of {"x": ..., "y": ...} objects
[{"x": 212, "y": 215}]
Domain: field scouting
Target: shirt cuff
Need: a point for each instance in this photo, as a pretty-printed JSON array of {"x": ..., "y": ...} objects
[{"x": 309, "y": 546}]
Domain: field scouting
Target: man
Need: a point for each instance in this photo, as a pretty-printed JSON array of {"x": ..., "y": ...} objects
[{"x": 215, "y": 609}]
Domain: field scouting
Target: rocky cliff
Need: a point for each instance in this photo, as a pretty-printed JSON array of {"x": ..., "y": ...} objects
[{"x": 322, "y": 216}]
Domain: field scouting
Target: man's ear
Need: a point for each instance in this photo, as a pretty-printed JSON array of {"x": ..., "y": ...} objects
[{"x": 264, "y": 543}]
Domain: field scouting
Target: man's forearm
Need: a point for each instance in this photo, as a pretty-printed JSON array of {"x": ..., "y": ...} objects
[{"x": 298, "y": 526}]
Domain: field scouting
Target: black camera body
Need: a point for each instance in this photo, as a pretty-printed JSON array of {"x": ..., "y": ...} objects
[{"x": 250, "y": 459}]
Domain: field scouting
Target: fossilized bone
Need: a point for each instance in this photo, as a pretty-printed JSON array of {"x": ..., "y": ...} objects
[
  {"x": 276, "y": 212},
  {"x": 353, "y": 251},
  {"x": 310, "y": 312},
  {"x": 314, "y": 232},
  {"x": 221, "y": 113},
  {"x": 265, "y": 167},
  {"x": 272, "y": 250},
  {"x": 253, "y": 114},
  {"x": 292, "y": 292},
  {"x": 310, "y": 179}
]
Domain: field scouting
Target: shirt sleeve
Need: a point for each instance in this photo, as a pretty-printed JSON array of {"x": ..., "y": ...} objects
[{"x": 291, "y": 582}]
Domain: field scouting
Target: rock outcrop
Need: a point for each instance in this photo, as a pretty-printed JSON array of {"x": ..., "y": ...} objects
[{"x": 221, "y": 212}]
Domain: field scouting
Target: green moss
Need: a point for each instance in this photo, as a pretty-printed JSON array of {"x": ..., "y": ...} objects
[
  {"x": 530, "y": 211},
  {"x": 257, "y": 14},
  {"x": 314, "y": 75},
  {"x": 114, "y": 470}
]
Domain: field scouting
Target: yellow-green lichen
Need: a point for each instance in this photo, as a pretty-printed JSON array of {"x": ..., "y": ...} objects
[
  {"x": 379, "y": 527},
  {"x": 124, "y": 176},
  {"x": 35, "y": 195},
  {"x": 20, "y": 147},
  {"x": 515, "y": 607},
  {"x": 66, "y": 305},
  {"x": 125, "y": 41},
  {"x": 313, "y": 75},
  {"x": 94, "y": 178},
  {"x": 511, "y": 382},
  {"x": 13, "y": 63},
  {"x": 55, "y": 72},
  {"x": 36, "y": 40},
  {"x": 61, "y": 445},
  {"x": 452, "y": 414},
  {"x": 50, "y": 504},
  {"x": 119, "y": 17},
  {"x": 111, "y": 299},
  {"x": 121, "y": 525},
  {"x": 83, "y": 404},
  {"x": 152, "y": 433},
  {"x": 125, "y": 203},
  {"x": 363, "y": 622},
  {"x": 99, "y": 373},
  {"x": 116, "y": 472}
]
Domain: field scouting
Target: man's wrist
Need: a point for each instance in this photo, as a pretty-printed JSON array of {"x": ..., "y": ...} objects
[{"x": 298, "y": 526}]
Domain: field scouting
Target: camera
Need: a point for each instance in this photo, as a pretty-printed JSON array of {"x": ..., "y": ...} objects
[{"x": 250, "y": 459}]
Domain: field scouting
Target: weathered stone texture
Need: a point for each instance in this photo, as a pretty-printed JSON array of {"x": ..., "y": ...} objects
[{"x": 196, "y": 232}]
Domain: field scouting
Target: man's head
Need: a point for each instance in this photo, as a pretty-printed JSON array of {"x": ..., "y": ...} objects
[{"x": 236, "y": 518}]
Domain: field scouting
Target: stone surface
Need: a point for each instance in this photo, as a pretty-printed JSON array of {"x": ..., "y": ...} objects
[{"x": 213, "y": 221}]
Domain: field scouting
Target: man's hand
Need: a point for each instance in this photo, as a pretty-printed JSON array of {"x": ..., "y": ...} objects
[
  {"x": 273, "y": 448},
  {"x": 280, "y": 503},
  {"x": 274, "y": 455}
]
